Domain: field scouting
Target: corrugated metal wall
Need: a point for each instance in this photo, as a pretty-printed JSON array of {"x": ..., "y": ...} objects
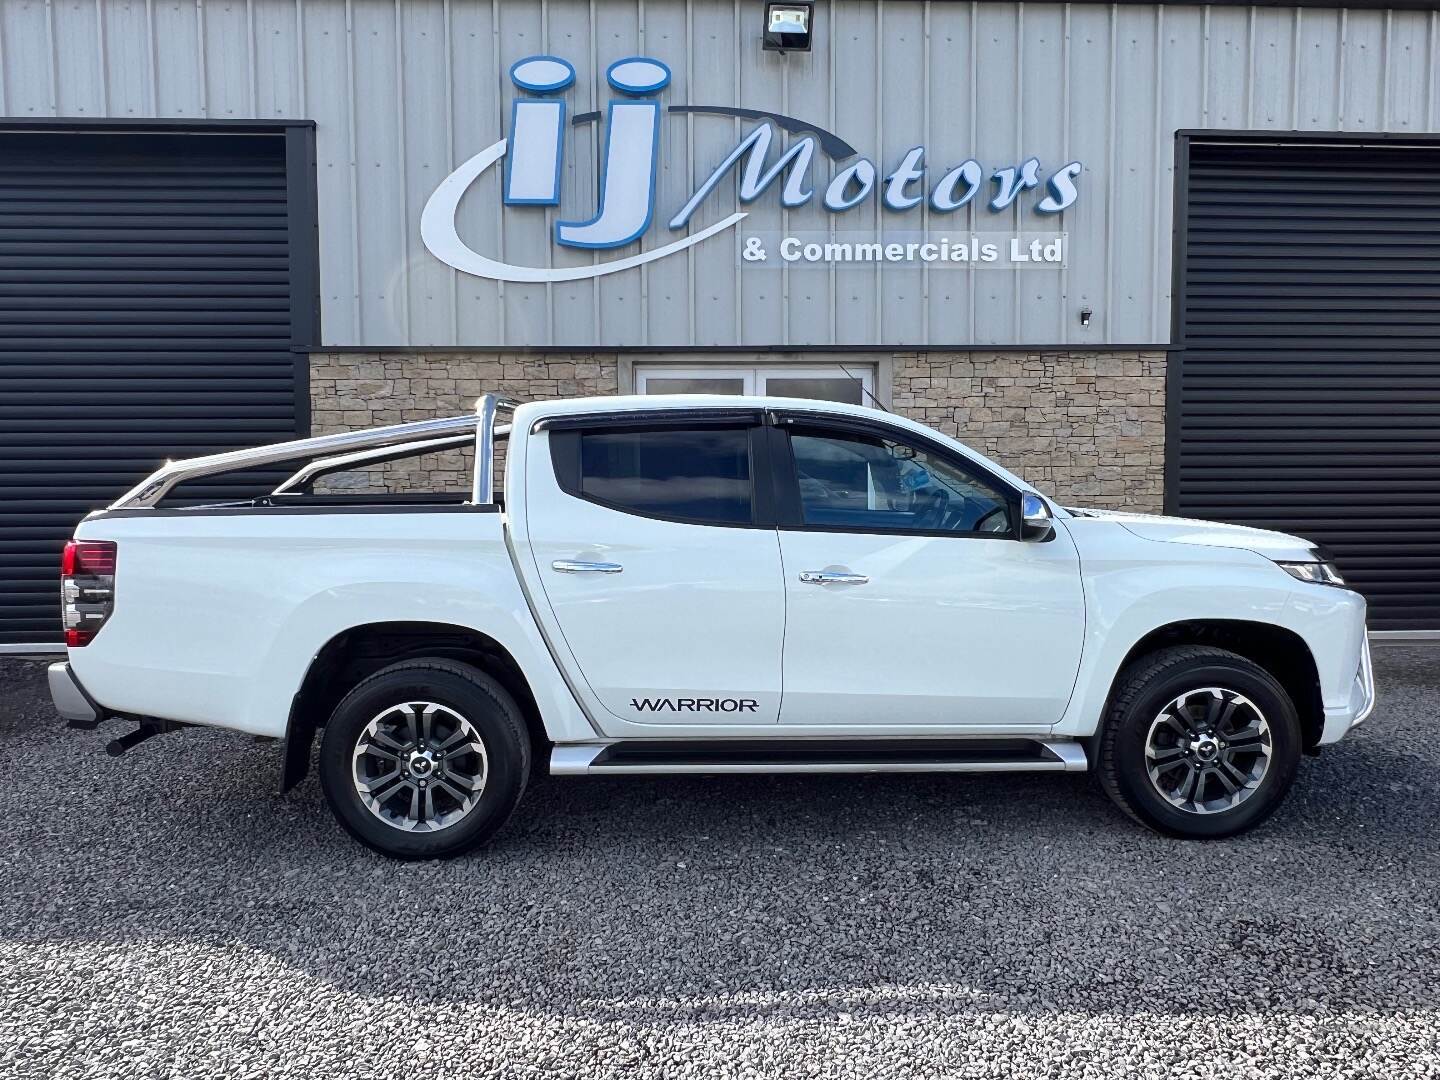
[
  {"x": 145, "y": 313},
  {"x": 402, "y": 90},
  {"x": 1309, "y": 388}
]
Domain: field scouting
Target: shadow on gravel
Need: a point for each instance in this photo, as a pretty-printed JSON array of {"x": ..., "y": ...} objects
[{"x": 702, "y": 898}]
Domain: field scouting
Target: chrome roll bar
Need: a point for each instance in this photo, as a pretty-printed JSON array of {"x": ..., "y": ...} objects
[
  {"x": 484, "y": 491},
  {"x": 376, "y": 455},
  {"x": 480, "y": 425}
]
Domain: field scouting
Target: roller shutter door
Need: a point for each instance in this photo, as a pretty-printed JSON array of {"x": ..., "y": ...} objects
[
  {"x": 1307, "y": 394},
  {"x": 145, "y": 313}
]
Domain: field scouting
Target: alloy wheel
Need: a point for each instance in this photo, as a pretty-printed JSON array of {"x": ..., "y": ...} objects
[
  {"x": 1208, "y": 750},
  {"x": 419, "y": 766}
]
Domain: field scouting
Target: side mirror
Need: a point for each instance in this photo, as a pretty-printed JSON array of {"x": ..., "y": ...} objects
[{"x": 1036, "y": 524}]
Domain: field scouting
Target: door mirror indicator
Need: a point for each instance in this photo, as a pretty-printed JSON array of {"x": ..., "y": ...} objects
[{"x": 1036, "y": 524}]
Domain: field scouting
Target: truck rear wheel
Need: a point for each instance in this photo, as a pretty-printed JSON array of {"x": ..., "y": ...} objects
[
  {"x": 1198, "y": 742},
  {"x": 425, "y": 759}
]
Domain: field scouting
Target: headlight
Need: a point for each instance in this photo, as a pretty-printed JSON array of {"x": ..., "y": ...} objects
[{"x": 1317, "y": 573}]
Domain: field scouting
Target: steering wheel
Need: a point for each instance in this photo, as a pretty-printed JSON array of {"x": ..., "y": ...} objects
[
  {"x": 933, "y": 516},
  {"x": 996, "y": 521}
]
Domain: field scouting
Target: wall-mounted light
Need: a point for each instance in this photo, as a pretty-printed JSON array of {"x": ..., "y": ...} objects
[
  {"x": 1085, "y": 314},
  {"x": 787, "y": 27}
]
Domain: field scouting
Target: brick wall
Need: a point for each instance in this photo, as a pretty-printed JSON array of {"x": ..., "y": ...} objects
[
  {"x": 1087, "y": 427},
  {"x": 350, "y": 390}
]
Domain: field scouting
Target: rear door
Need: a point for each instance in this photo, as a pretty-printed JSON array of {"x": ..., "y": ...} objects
[{"x": 659, "y": 561}]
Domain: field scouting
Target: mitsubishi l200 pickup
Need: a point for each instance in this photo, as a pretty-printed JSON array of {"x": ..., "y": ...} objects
[{"x": 704, "y": 585}]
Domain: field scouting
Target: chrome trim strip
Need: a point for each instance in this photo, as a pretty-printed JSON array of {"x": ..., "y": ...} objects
[
  {"x": 578, "y": 760},
  {"x": 37, "y": 649},
  {"x": 155, "y": 486},
  {"x": 575, "y": 566},
  {"x": 700, "y": 768}
]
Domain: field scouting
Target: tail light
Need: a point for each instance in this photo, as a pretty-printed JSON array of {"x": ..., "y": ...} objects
[{"x": 87, "y": 588}]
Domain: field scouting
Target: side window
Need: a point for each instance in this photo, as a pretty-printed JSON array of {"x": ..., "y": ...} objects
[
  {"x": 700, "y": 475},
  {"x": 853, "y": 480}
]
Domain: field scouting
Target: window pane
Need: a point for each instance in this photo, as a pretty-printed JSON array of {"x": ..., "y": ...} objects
[
  {"x": 681, "y": 385},
  {"x": 854, "y": 481},
  {"x": 818, "y": 388},
  {"x": 699, "y": 475}
]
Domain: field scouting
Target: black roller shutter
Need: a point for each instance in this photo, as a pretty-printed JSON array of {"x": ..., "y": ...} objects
[
  {"x": 1307, "y": 395},
  {"x": 149, "y": 299}
]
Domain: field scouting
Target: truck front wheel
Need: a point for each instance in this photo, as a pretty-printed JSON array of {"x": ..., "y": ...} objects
[
  {"x": 425, "y": 759},
  {"x": 1198, "y": 742}
]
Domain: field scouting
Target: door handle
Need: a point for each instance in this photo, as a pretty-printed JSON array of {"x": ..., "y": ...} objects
[
  {"x": 572, "y": 566},
  {"x": 832, "y": 577}
]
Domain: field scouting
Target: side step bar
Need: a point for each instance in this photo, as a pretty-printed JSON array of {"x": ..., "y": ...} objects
[{"x": 679, "y": 756}]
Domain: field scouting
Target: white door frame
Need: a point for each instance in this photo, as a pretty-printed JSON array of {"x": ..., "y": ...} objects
[
  {"x": 645, "y": 371},
  {"x": 755, "y": 368}
]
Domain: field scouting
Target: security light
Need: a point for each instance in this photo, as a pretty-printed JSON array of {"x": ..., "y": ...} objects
[{"x": 787, "y": 27}]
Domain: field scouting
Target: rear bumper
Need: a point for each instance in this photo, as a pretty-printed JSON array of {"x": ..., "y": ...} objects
[
  {"x": 71, "y": 700},
  {"x": 1339, "y": 722}
]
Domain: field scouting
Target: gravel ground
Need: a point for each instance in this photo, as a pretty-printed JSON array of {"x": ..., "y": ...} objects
[{"x": 168, "y": 915}]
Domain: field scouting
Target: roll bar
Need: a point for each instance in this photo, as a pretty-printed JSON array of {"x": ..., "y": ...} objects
[
  {"x": 480, "y": 426},
  {"x": 376, "y": 455}
]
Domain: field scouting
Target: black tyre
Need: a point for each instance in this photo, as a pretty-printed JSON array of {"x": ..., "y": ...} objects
[
  {"x": 1198, "y": 742},
  {"x": 425, "y": 759}
]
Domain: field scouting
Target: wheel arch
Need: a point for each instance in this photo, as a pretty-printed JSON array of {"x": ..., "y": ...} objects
[
  {"x": 359, "y": 651},
  {"x": 1279, "y": 650}
]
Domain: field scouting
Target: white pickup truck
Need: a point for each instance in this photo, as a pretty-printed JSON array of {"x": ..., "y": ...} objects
[{"x": 705, "y": 585}]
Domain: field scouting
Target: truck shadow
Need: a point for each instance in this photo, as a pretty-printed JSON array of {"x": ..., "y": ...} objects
[{"x": 695, "y": 899}]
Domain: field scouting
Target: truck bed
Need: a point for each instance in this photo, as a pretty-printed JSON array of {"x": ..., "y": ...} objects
[{"x": 219, "y": 609}]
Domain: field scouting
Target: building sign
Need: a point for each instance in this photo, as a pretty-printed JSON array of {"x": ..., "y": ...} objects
[
  {"x": 940, "y": 251},
  {"x": 534, "y": 157}
]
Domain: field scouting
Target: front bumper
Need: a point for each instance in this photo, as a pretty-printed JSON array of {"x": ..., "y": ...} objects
[
  {"x": 1339, "y": 722},
  {"x": 71, "y": 700}
]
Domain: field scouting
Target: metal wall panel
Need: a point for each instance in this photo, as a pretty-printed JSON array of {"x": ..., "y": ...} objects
[
  {"x": 1308, "y": 392},
  {"x": 404, "y": 90},
  {"x": 148, "y": 291}
]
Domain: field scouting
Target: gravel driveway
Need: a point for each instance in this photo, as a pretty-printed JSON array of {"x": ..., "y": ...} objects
[{"x": 168, "y": 915}]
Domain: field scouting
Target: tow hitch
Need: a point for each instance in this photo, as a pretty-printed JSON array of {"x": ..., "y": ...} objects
[
  {"x": 144, "y": 729},
  {"x": 132, "y": 739},
  {"x": 83, "y": 713}
]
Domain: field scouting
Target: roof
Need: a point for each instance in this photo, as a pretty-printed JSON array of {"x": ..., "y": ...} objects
[
  {"x": 651, "y": 402},
  {"x": 530, "y": 412}
]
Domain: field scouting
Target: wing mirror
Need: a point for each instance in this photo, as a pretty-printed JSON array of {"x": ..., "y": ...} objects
[{"x": 1036, "y": 523}]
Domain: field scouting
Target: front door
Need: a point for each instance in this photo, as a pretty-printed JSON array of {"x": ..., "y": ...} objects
[
  {"x": 910, "y": 599},
  {"x": 665, "y": 589}
]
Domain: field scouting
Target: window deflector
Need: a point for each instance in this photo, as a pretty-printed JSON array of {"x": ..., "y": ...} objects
[{"x": 832, "y": 426}]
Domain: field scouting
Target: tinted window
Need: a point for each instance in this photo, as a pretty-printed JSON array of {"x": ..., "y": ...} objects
[
  {"x": 699, "y": 475},
  {"x": 860, "y": 481},
  {"x": 817, "y": 387}
]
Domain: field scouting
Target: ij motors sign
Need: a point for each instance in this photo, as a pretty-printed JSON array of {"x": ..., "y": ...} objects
[{"x": 533, "y": 157}]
